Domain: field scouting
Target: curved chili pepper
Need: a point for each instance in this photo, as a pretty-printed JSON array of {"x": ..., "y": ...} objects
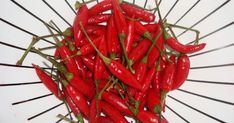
[
  {"x": 113, "y": 113},
  {"x": 141, "y": 30},
  {"x": 78, "y": 99},
  {"x": 139, "y": 51},
  {"x": 99, "y": 66},
  {"x": 176, "y": 45},
  {"x": 140, "y": 13},
  {"x": 113, "y": 45},
  {"x": 182, "y": 71},
  {"x": 156, "y": 83},
  {"x": 148, "y": 117},
  {"x": 129, "y": 39},
  {"x": 100, "y": 7},
  {"x": 48, "y": 82},
  {"x": 140, "y": 71},
  {"x": 81, "y": 16},
  {"x": 116, "y": 102},
  {"x": 168, "y": 75},
  {"x": 99, "y": 18},
  {"x": 81, "y": 67},
  {"x": 73, "y": 107},
  {"x": 153, "y": 101}
]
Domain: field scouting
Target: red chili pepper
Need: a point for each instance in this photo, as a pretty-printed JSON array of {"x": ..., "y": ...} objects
[
  {"x": 81, "y": 67},
  {"x": 95, "y": 111},
  {"x": 137, "y": 38},
  {"x": 99, "y": 66},
  {"x": 100, "y": 7},
  {"x": 152, "y": 27},
  {"x": 129, "y": 39},
  {"x": 116, "y": 102},
  {"x": 168, "y": 75},
  {"x": 48, "y": 82},
  {"x": 81, "y": 16},
  {"x": 113, "y": 45},
  {"x": 99, "y": 18},
  {"x": 95, "y": 29},
  {"x": 176, "y": 45},
  {"x": 154, "y": 53},
  {"x": 103, "y": 119},
  {"x": 145, "y": 83},
  {"x": 73, "y": 107},
  {"x": 113, "y": 113},
  {"x": 83, "y": 87},
  {"x": 182, "y": 71},
  {"x": 112, "y": 89},
  {"x": 78, "y": 99},
  {"x": 70, "y": 63},
  {"x": 140, "y": 13},
  {"x": 156, "y": 83},
  {"x": 141, "y": 30},
  {"x": 116, "y": 68},
  {"x": 143, "y": 103},
  {"x": 153, "y": 101},
  {"x": 87, "y": 49},
  {"x": 139, "y": 51},
  {"x": 148, "y": 117},
  {"x": 140, "y": 71},
  {"x": 119, "y": 20},
  {"x": 88, "y": 62}
]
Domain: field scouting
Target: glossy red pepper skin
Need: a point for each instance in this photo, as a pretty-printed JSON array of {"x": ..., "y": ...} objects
[
  {"x": 81, "y": 16},
  {"x": 168, "y": 75},
  {"x": 148, "y": 117},
  {"x": 118, "y": 70},
  {"x": 129, "y": 39},
  {"x": 83, "y": 87},
  {"x": 176, "y": 45},
  {"x": 116, "y": 102},
  {"x": 119, "y": 19},
  {"x": 137, "y": 37},
  {"x": 81, "y": 67},
  {"x": 89, "y": 63},
  {"x": 154, "y": 53},
  {"x": 113, "y": 45},
  {"x": 99, "y": 66},
  {"x": 78, "y": 99},
  {"x": 139, "y": 51},
  {"x": 113, "y": 113},
  {"x": 182, "y": 71},
  {"x": 140, "y": 71},
  {"x": 87, "y": 49},
  {"x": 95, "y": 110},
  {"x": 100, "y": 7},
  {"x": 95, "y": 29},
  {"x": 152, "y": 27},
  {"x": 145, "y": 83},
  {"x": 153, "y": 101},
  {"x": 103, "y": 119},
  {"x": 96, "y": 19},
  {"x": 141, "y": 30},
  {"x": 143, "y": 15},
  {"x": 48, "y": 82},
  {"x": 156, "y": 83},
  {"x": 70, "y": 63}
]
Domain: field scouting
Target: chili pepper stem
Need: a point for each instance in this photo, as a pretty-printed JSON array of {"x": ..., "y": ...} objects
[
  {"x": 97, "y": 91},
  {"x": 59, "y": 66},
  {"x": 103, "y": 89},
  {"x": 47, "y": 48},
  {"x": 67, "y": 107},
  {"x": 80, "y": 118},
  {"x": 129, "y": 63},
  {"x": 104, "y": 58},
  {"x": 113, "y": 55},
  {"x": 65, "y": 118}
]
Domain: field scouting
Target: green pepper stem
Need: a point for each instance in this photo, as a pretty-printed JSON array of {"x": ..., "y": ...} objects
[
  {"x": 33, "y": 42},
  {"x": 59, "y": 66},
  {"x": 65, "y": 118},
  {"x": 106, "y": 60},
  {"x": 47, "y": 48},
  {"x": 68, "y": 110},
  {"x": 80, "y": 118}
]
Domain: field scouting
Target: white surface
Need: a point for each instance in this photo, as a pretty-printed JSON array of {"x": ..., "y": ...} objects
[{"x": 19, "y": 113}]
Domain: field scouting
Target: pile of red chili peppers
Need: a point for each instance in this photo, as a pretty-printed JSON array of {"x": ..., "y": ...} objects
[{"x": 114, "y": 65}]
